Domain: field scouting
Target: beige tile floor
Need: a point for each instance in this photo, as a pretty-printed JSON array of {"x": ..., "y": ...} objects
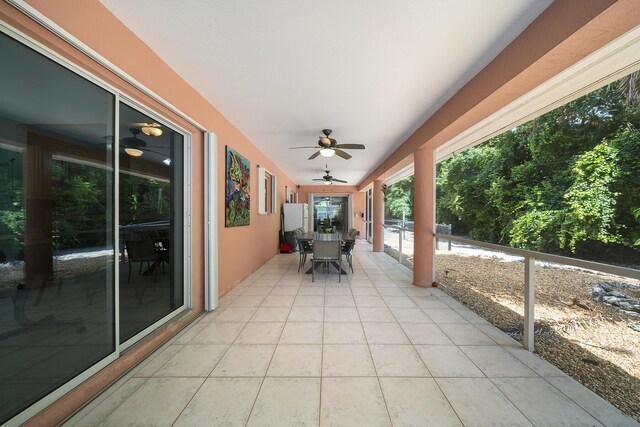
[{"x": 371, "y": 350}]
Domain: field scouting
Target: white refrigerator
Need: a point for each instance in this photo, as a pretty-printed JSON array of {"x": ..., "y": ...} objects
[{"x": 296, "y": 215}]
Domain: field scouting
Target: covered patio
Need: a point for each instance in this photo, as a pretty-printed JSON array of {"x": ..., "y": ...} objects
[
  {"x": 371, "y": 350},
  {"x": 188, "y": 128}
]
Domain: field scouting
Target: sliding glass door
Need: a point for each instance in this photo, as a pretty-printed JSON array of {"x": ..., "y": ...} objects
[
  {"x": 56, "y": 226},
  {"x": 91, "y": 226},
  {"x": 151, "y": 221},
  {"x": 333, "y": 210}
]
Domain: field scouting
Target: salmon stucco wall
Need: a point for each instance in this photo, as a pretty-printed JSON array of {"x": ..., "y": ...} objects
[{"x": 358, "y": 199}]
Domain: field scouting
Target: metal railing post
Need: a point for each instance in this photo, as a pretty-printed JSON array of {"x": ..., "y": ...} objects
[
  {"x": 529, "y": 302},
  {"x": 400, "y": 231},
  {"x": 449, "y": 233}
]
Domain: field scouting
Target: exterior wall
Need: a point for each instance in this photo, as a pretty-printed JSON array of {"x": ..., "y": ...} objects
[
  {"x": 565, "y": 33},
  {"x": 241, "y": 250},
  {"x": 358, "y": 200}
]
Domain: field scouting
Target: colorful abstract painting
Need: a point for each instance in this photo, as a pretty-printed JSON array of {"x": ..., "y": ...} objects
[{"x": 237, "y": 211}]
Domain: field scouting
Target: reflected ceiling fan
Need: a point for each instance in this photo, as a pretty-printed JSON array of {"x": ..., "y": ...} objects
[
  {"x": 136, "y": 147},
  {"x": 133, "y": 145},
  {"x": 328, "y": 179},
  {"x": 329, "y": 147},
  {"x": 150, "y": 129}
]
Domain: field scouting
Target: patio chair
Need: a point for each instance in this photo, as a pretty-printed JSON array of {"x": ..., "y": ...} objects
[
  {"x": 347, "y": 251},
  {"x": 304, "y": 247},
  {"x": 326, "y": 252}
]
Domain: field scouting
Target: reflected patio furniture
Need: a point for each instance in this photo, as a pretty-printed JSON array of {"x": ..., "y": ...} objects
[
  {"x": 163, "y": 254},
  {"x": 326, "y": 252},
  {"x": 141, "y": 251}
]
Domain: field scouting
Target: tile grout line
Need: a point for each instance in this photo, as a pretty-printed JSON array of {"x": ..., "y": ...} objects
[
  {"x": 132, "y": 373},
  {"x": 322, "y": 355},
  {"x": 264, "y": 377},
  {"x": 211, "y": 371},
  {"x": 384, "y": 399}
]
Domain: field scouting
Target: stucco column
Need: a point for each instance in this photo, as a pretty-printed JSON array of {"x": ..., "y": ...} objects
[
  {"x": 424, "y": 217},
  {"x": 378, "y": 216}
]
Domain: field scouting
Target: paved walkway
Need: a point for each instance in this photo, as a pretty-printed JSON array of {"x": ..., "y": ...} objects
[{"x": 370, "y": 351}]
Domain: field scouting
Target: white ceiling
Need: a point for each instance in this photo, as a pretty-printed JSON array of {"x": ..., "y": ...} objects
[{"x": 371, "y": 70}]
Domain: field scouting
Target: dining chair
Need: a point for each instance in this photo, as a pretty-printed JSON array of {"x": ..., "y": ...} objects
[
  {"x": 326, "y": 252},
  {"x": 347, "y": 251},
  {"x": 304, "y": 247}
]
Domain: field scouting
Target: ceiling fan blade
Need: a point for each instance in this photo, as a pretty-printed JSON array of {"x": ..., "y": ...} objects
[
  {"x": 314, "y": 155},
  {"x": 342, "y": 154},
  {"x": 351, "y": 146},
  {"x": 295, "y": 148},
  {"x": 318, "y": 179},
  {"x": 339, "y": 180}
]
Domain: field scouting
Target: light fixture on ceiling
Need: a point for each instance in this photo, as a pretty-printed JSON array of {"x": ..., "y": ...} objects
[
  {"x": 328, "y": 183},
  {"x": 327, "y": 152},
  {"x": 133, "y": 152},
  {"x": 167, "y": 161},
  {"x": 152, "y": 129}
]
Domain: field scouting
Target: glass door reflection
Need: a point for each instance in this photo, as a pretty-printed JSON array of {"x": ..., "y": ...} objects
[{"x": 151, "y": 220}]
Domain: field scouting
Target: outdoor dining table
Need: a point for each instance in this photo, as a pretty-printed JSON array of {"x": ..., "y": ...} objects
[{"x": 313, "y": 236}]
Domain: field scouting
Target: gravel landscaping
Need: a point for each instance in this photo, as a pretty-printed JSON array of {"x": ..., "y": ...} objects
[{"x": 596, "y": 343}]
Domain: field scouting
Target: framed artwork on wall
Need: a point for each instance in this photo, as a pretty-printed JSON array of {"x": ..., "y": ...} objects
[{"x": 237, "y": 196}]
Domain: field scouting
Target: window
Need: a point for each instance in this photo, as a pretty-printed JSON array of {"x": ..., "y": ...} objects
[{"x": 267, "y": 192}]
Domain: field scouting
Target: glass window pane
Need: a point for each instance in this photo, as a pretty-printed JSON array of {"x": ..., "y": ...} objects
[
  {"x": 56, "y": 226},
  {"x": 151, "y": 221}
]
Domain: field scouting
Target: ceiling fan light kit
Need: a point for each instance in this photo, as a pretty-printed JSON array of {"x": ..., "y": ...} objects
[{"x": 327, "y": 152}]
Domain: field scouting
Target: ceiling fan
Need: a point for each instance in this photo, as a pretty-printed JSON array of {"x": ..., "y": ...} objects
[
  {"x": 328, "y": 179},
  {"x": 329, "y": 147}
]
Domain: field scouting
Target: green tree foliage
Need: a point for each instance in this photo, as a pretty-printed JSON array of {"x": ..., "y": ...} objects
[
  {"x": 561, "y": 183},
  {"x": 398, "y": 199}
]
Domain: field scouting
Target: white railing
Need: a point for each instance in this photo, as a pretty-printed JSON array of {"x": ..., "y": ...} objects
[
  {"x": 444, "y": 229},
  {"x": 530, "y": 258},
  {"x": 401, "y": 234}
]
